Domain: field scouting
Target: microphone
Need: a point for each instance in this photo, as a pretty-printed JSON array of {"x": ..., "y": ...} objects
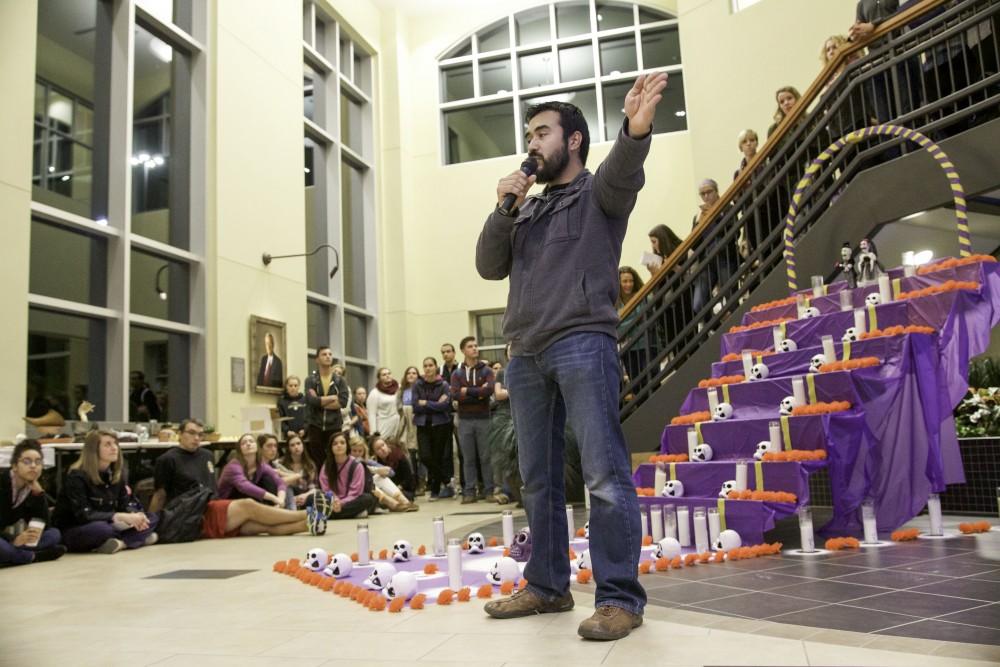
[{"x": 528, "y": 167}]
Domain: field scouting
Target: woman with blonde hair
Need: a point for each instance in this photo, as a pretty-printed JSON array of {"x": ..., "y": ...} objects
[
  {"x": 96, "y": 509},
  {"x": 786, "y": 97}
]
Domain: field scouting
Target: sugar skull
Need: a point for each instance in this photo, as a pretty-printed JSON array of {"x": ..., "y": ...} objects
[
  {"x": 477, "y": 543},
  {"x": 759, "y": 372},
  {"x": 722, "y": 412},
  {"x": 810, "y": 312},
  {"x": 787, "y": 405},
  {"x": 674, "y": 488},
  {"x": 668, "y": 547},
  {"x": 763, "y": 447},
  {"x": 586, "y": 530},
  {"x": 401, "y": 551},
  {"x": 873, "y": 299},
  {"x": 703, "y": 452},
  {"x": 583, "y": 561},
  {"x": 817, "y": 361},
  {"x": 726, "y": 488},
  {"x": 402, "y": 585},
  {"x": 340, "y": 566},
  {"x": 728, "y": 540},
  {"x": 503, "y": 569},
  {"x": 520, "y": 550},
  {"x": 787, "y": 345},
  {"x": 316, "y": 560},
  {"x": 380, "y": 577},
  {"x": 850, "y": 336}
]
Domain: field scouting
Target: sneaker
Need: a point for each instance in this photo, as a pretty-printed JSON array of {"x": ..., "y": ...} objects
[
  {"x": 468, "y": 500},
  {"x": 112, "y": 545},
  {"x": 150, "y": 540},
  {"x": 481, "y": 495},
  {"x": 316, "y": 521},
  {"x": 502, "y": 499},
  {"x": 526, "y": 602},
  {"x": 412, "y": 507},
  {"x": 433, "y": 497},
  {"x": 323, "y": 502},
  {"x": 609, "y": 623},
  {"x": 363, "y": 515},
  {"x": 380, "y": 510},
  {"x": 446, "y": 492},
  {"x": 49, "y": 553}
]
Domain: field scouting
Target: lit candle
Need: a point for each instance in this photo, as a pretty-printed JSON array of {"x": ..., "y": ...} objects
[
  {"x": 799, "y": 390},
  {"x": 454, "y": 564},
  {"x": 747, "y": 365},
  {"x": 570, "y": 523},
  {"x": 829, "y": 351},
  {"x": 713, "y": 398},
  {"x": 884, "y": 289},
  {"x": 700, "y": 530},
  {"x": 806, "y": 530},
  {"x": 868, "y": 519},
  {"x": 817, "y": 283},
  {"x": 934, "y": 514},
  {"x": 507, "y": 520},
  {"x": 656, "y": 519},
  {"x": 859, "y": 320},
  {"x": 774, "y": 435},
  {"x": 683, "y": 526},
  {"x": 713, "y": 525},
  {"x": 659, "y": 479},
  {"x": 741, "y": 476},
  {"x": 692, "y": 443},
  {"x": 670, "y": 521},
  {"x": 439, "y": 542},
  {"x": 364, "y": 544},
  {"x": 846, "y": 299}
]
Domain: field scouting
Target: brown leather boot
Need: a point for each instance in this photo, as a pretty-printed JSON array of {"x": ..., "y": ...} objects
[
  {"x": 609, "y": 623},
  {"x": 526, "y": 603}
]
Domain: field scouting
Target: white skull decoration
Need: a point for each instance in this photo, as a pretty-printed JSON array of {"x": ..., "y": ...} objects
[
  {"x": 316, "y": 560},
  {"x": 380, "y": 577},
  {"x": 763, "y": 447},
  {"x": 477, "y": 543},
  {"x": 850, "y": 336},
  {"x": 340, "y": 566},
  {"x": 503, "y": 569},
  {"x": 873, "y": 299},
  {"x": 726, "y": 488},
  {"x": 586, "y": 530},
  {"x": 787, "y": 345},
  {"x": 817, "y": 361},
  {"x": 583, "y": 561},
  {"x": 787, "y": 405},
  {"x": 809, "y": 312},
  {"x": 703, "y": 452},
  {"x": 727, "y": 541},
  {"x": 722, "y": 412},
  {"x": 674, "y": 488},
  {"x": 401, "y": 551},
  {"x": 402, "y": 585},
  {"x": 668, "y": 547},
  {"x": 759, "y": 372}
]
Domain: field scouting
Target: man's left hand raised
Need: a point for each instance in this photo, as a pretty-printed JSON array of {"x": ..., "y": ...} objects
[{"x": 641, "y": 101}]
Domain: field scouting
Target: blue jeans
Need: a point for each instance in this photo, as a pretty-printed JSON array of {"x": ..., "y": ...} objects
[
  {"x": 473, "y": 438},
  {"x": 11, "y": 555},
  {"x": 577, "y": 377}
]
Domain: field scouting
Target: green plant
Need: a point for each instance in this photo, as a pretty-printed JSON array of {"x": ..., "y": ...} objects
[
  {"x": 979, "y": 413},
  {"x": 984, "y": 372}
]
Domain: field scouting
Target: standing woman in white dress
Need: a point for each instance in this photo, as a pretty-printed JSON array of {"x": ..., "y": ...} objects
[{"x": 384, "y": 406}]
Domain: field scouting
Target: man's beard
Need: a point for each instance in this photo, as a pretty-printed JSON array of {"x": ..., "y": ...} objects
[{"x": 552, "y": 168}]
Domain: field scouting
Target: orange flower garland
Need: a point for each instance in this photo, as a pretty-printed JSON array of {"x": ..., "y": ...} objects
[
  {"x": 796, "y": 455},
  {"x": 973, "y": 528},
  {"x": 764, "y": 496},
  {"x": 418, "y": 601},
  {"x": 736, "y": 356},
  {"x": 647, "y": 491},
  {"x": 719, "y": 381},
  {"x": 773, "y": 304},
  {"x": 507, "y": 587},
  {"x": 485, "y": 591},
  {"x": 397, "y": 605},
  {"x": 667, "y": 458},
  {"x": 693, "y": 418},
  {"x": 850, "y": 364},
  {"x": 647, "y": 540},
  {"x": 839, "y": 543},
  {"x": 444, "y": 597},
  {"x": 580, "y": 532},
  {"x": 905, "y": 535},
  {"x": 954, "y": 262},
  {"x": 760, "y": 325},
  {"x": 821, "y": 408},
  {"x": 947, "y": 286},
  {"x": 430, "y": 568},
  {"x": 897, "y": 331}
]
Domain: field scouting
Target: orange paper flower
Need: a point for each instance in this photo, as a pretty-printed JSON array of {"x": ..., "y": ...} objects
[
  {"x": 676, "y": 563},
  {"x": 644, "y": 566},
  {"x": 465, "y": 594},
  {"x": 953, "y": 262},
  {"x": 493, "y": 541},
  {"x": 897, "y": 330},
  {"x": 839, "y": 543},
  {"x": 396, "y": 605},
  {"x": 583, "y": 577},
  {"x": 705, "y": 556},
  {"x": 421, "y": 550},
  {"x": 719, "y": 557},
  {"x": 795, "y": 455},
  {"x": 821, "y": 408},
  {"x": 378, "y": 604},
  {"x": 580, "y": 532},
  {"x": 279, "y": 566},
  {"x": 445, "y": 596},
  {"x": 764, "y": 496},
  {"x": 485, "y": 591},
  {"x": 774, "y": 304},
  {"x": 976, "y": 527},
  {"x": 430, "y": 568},
  {"x": 667, "y": 458},
  {"x": 507, "y": 587},
  {"x": 690, "y": 559},
  {"x": 760, "y": 325},
  {"x": 354, "y": 557},
  {"x": 905, "y": 534},
  {"x": 418, "y": 601},
  {"x": 522, "y": 584},
  {"x": 737, "y": 356},
  {"x": 947, "y": 286},
  {"x": 693, "y": 418},
  {"x": 719, "y": 381},
  {"x": 382, "y": 555},
  {"x": 662, "y": 564},
  {"x": 850, "y": 364}
]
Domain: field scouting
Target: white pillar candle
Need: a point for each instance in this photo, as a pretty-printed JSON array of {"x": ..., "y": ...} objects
[
  {"x": 700, "y": 530},
  {"x": 806, "y": 530},
  {"x": 868, "y": 519},
  {"x": 909, "y": 271},
  {"x": 829, "y": 351},
  {"x": 670, "y": 521},
  {"x": 747, "y": 357},
  {"x": 683, "y": 526},
  {"x": 659, "y": 479},
  {"x": 846, "y": 299},
  {"x": 934, "y": 514},
  {"x": 713, "y": 525},
  {"x": 741, "y": 476},
  {"x": 884, "y": 288},
  {"x": 859, "y": 320},
  {"x": 817, "y": 283},
  {"x": 713, "y": 399},
  {"x": 656, "y": 521},
  {"x": 800, "y": 305},
  {"x": 586, "y": 497},
  {"x": 799, "y": 390},
  {"x": 507, "y": 520},
  {"x": 778, "y": 336},
  {"x": 439, "y": 542},
  {"x": 774, "y": 435},
  {"x": 692, "y": 443},
  {"x": 570, "y": 523},
  {"x": 642, "y": 522},
  {"x": 454, "y": 565},
  {"x": 364, "y": 544}
]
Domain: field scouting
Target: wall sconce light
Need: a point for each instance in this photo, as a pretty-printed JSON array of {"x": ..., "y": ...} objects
[
  {"x": 162, "y": 293},
  {"x": 267, "y": 257}
]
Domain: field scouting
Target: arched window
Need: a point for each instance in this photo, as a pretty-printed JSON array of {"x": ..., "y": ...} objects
[{"x": 587, "y": 52}]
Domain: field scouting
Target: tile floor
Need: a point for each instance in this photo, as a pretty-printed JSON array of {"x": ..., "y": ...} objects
[{"x": 138, "y": 608}]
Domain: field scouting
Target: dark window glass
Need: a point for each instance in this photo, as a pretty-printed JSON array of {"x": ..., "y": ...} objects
[
  {"x": 457, "y": 83},
  {"x": 67, "y": 265},
  {"x": 489, "y": 329},
  {"x": 152, "y": 136},
  {"x": 536, "y": 70},
  {"x": 480, "y": 132},
  {"x": 671, "y": 115},
  {"x": 494, "y": 77},
  {"x": 353, "y": 219},
  {"x": 309, "y": 80},
  {"x": 618, "y": 55},
  {"x": 661, "y": 47},
  {"x": 572, "y": 18},
  {"x": 66, "y": 360},
  {"x": 532, "y": 26},
  {"x": 159, "y": 368},
  {"x": 463, "y": 49},
  {"x": 647, "y": 15},
  {"x": 317, "y": 325},
  {"x": 612, "y": 15},
  {"x": 351, "y": 124},
  {"x": 576, "y": 63},
  {"x": 495, "y": 37},
  {"x": 159, "y": 287},
  {"x": 355, "y": 336}
]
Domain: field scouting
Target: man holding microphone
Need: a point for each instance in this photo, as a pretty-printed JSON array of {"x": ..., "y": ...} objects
[{"x": 561, "y": 250}]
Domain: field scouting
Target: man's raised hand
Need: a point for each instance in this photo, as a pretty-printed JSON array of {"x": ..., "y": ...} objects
[{"x": 641, "y": 101}]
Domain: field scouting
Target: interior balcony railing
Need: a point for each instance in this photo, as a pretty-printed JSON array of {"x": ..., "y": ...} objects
[{"x": 932, "y": 67}]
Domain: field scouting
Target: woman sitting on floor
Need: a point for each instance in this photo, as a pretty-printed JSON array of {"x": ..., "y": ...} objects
[
  {"x": 246, "y": 476},
  {"x": 344, "y": 477},
  {"x": 96, "y": 509},
  {"x": 298, "y": 470}
]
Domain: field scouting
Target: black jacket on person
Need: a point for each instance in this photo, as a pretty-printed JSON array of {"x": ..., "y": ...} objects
[
  {"x": 81, "y": 501},
  {"x": 35, "y": 506},
  {"x": 294, "y": 408},
  {"x": 327, "y": 420}
]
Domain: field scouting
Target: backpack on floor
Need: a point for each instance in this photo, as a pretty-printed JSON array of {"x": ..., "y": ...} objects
[{"x": 181, "y": 518}]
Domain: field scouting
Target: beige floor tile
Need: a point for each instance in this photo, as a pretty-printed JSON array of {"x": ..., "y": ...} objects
[
  {"x": 901, "y": 644},
  {"x": 357, "y": 646},
  {"x": 91, "y": 657},
  {"x": 645, "y": 647},
  {"x": 970, "y": 651},
  {"x": 840, "y": 637},
  {"x": 784, "y": 631},
  {"x": 470, "y": 618},
  {"x": 194, "y": 660},
  {"x": 549, "y": 649},
  {"x": 827, "y": 654}
]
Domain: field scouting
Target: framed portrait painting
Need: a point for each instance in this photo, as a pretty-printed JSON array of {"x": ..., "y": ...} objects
[{"x": 267, "y": 355}]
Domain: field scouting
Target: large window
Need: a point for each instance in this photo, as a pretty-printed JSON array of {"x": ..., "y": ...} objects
[
  {"x": 65, "y": 364},
  {"x": 489, "y": 334},
  {"x": 586, "y": 52}
]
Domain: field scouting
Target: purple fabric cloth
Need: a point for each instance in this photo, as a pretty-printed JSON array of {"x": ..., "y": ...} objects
[
  {"x": 705, "y": 480},
  {"x": 738, "y": 440},
  {"x": 752, "y": 400},
  {"x": 750, "y": 518}
]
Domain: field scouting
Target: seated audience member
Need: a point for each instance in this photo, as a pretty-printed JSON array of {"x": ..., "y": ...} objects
[
  {"x": 247, "y": 476},
  {"x": 344, "y": 478},
  {"x": 359, "y": 412},
  {"x": 786, "y": 97},
  {"x": 298, "y": 471},
  {"x": 292, "y": 406},
  {"x": 389, "y": 453},
  {"x": 25, "y": 536},
  {"x": 187, "y": 466},
  {"x": 378, "y": 477},
  {"x": 96, "y": 509},
  {"x": 267, "y": 443}
]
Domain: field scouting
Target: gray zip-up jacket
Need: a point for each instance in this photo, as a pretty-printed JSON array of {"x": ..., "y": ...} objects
[{"x": 561, "y": 250}]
